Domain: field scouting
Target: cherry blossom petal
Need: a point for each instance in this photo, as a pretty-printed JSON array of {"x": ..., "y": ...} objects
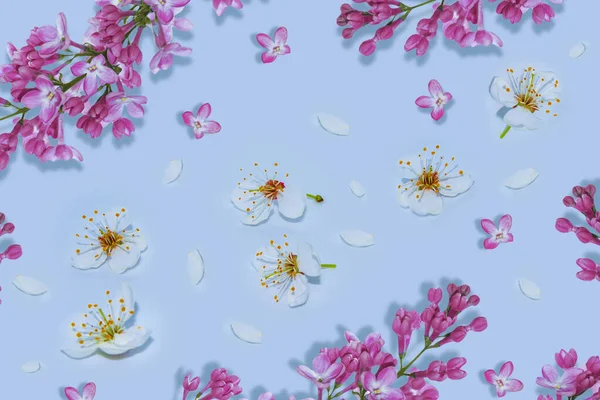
[
  {"x": 426, "y": 203},
  {"x": 519, "y": 117},
  {"x": 299, "y": 296},
  {"x": 291, "y": 203},
  {"x": 246, "y": 333},
  {"x": 502, "y": 92}
]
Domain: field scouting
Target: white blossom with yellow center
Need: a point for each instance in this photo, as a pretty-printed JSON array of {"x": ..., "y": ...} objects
[
  {"x": 286, "y": 270},
  {"x": 530, "y": 96},
  {"x": 108, "y": 237},
  {"x": 102, "y": 327},
  {"x": 427, "y": 178},
  {"x": 257, "y": 193}
]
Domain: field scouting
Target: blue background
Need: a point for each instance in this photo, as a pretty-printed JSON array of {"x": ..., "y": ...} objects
[{"x": 268, "y": 114}]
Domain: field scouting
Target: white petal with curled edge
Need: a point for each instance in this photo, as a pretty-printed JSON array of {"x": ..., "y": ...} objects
[
  {"x": 357, "y": 189},
  {"x": 530, "y": 289},
  {"x": 173, "y": 171},
  {"x": 31, "y": 367},
  {"x": 334, "y": 125},
  {"x": 246, "y": 333},
  {"x": 80, "y": 352},
  {"x": 577, "y": 50},
  {"x": 521, "y": 179},
  {"x": 29, "y": 285},
  {"x": 357, "y": 238},
  {"x": 195, "y": 266}
]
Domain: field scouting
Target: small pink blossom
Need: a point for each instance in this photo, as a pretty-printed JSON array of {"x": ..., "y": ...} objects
[
  {"x": 589, "y": 270},
  {"x": 566, "y": 359},
  {"x": 88, "y": 393},
  {"x": 45, "y": 95},
  {"x": 94, "y": 70},
  {"x": 564, "y": 385},
  {"x": 116, "y": 101},
  {"x": 199, "y": 122},
  {"x": 190, "y": 385},
  {"x": 163, "y": 59},
  {"x": 502, "y": 381},
  {"x": 165, "y": 9},
  {"x": 275, "y": 47},
  {"x": 323, "y": 371},
  {"x": 221, "y": 5},
  {"x": 378, "y": 385},
  {"x": 53, "y": 39},
  {"x": 497, "y": 235},
  {"x": 437, "y": 100}
]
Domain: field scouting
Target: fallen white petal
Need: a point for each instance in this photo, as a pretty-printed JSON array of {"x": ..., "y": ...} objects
[
  {"x": 334, "y": 125},
  {"x": 521, "y": 179},
  {"x": 246, "y": 332},
  {"x": 173, "y": 171},
  {"x": 29, "y": 285},
  {"x": 530, "y": 289},
  {"x": 357, "y": 238},
  {"x": 357, "y": 189},
  {"x": 31, "y": 367},
  {"x": 577, "y": 50},
  {"x": 195, "y": 266}
]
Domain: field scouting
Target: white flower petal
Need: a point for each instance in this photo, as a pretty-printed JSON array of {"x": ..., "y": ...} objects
[
  {"x": 357, "y": 189},
  {"x": 243, "y": 198},
  {"x": 138, "y": 240},
  {"x": 404, "y": 194},
  {"x": 457, "y": 185},
  {"x": 357, "y": 238},
  {"x": 519, "y": 117},
  {"x": 521, "y": 178},
  {"x": 307, "y": 260},
  {"x": 291, "y": 203},
  {"x": 132, "y": 338},
  {"x": 334, "y": 125},
  {"x": 426, "y": 202},
  {"x": 127, "y": 296},
  {"x": 31, "y": 367},
  {"x": 502, "y": 92},
  {"x": 246, "y": 333},
  {"x": 80, "y": 352},
  {"x": 173, "y": 171},
  {"x": 117, "y": 220},
  {"x": 530, "y": 289},
  {"x": 124, "y": 257},
  {"x": 29, "y": 285},
  {"x": 258, "y": 214},
  {"x": 298, "y": 296},
  {"x": 195, "y": 266},
  {"x": 577, "y": 50},
  {"x": 88, "y": 259},
  {"x": 265, "y": 255}
]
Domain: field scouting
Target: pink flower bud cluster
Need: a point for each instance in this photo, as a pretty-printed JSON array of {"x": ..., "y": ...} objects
[
  {"x": 575, "y": 381},
  {"x": 364, "y": 365},
  {"x": 53, "y": 76},
  {"x": 13, "y": 251},
  {"x": 462, "y": 21},
  {"x": 583, "y": 201},
  {"x": 221, "y": 386}
]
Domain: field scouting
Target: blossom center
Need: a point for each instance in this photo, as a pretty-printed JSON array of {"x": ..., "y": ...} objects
[
  {"x": 290, "y": 265},
  {"x": 50, "y": 95},
  {"x": 197, "y": 124},
  {"x": 500, "y": 383},
  {"x": 162, "y": 2},
  {"x": 499, "y": 236},
  {"x": 92, "y": 68},
  {"x": 439, "y": 101},
  {"x": 123, "y": 99},
  {"x": 109, "y": 240},
  {"x": 429, "y": 180},
  {"x": 271, "y": 189},
  {"x": 276, "y": 49}
]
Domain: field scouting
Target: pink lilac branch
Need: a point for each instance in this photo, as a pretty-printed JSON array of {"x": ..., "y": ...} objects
[
  {"x": 221, "y": 386},
  {"x": 14, "y": 251},
  {"x": 462, "y": 21},
  {"x": 55, "y": 76}
]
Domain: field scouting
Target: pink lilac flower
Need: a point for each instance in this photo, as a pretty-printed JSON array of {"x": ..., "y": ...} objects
[
  {"x": 94, "y": 70},
  {"x": 440, "y": 371},
  {"x": 378, "y": 385},
  {"x": 221, "y": 5},
  {"x": 165, "y": 9},
  {"x": 566, "y": 359},
  {"x": 275, "y": 47},
  {"x": 199, "y": 122},
  {"x": 564, "y": 384},
  {"x": 165, "y": 56},
  {"x": 61, "y": 151},
  {"x": 481, "y": 37},
  {"x": 190, "y": 385},
  {"x": 498, "y": 235},
  {"x": 405, "y": 323},
  {"x": 45, "y": 95},
  {"x": 53, "y": 39},
  {"x": 419, "y": 389},
  {"x": 502, "y": 381},
  {"x": 88, "y": 393},
  {"x": 589, "y": 270},
  {"x": 437, "y": 100},
  {"x": 323, "y": 371},
  {"x": 118, "y": 100}
]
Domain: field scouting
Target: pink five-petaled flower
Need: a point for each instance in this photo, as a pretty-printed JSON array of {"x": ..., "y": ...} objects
[
  {"x": 323, "y": 371},
  {"x": 501, "y": 381},
  {"x": 93, "y": 70},
  {"x": 165, "y": 9},
  {"x": 274, "y": 47},
  {"x": 589, "y": 270},
  {"x": 190, "y": 385},
  {"x": 498, "y": 235},
  {"x": 88, "y": 393},
  {"x": 378, "y": 386},
  {"x": 54, "y": 39},
  {"x": 199, "y": 121},
  {"x": 564, "y": 385},
  {"x": 221, "y": 5},
  {"x": 437, "y": 100},
  {"x": 45, "y": 95}
]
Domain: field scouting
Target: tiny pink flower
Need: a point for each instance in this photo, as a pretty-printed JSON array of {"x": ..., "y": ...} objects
[
  {"x": 221, "y": 5},
  {"x": 564, "y": 385},
  {"x": 502, "y": 381},
  {"x": 54, "y": 39},
  {"x": 274, "y": 47},
  {"x": 498, "y": 235},
  {"x": 589, "y": 270},
  {"x": 45, "y": 95},
  {"x": 94, "y": 70},
  {"x": 566, "y": 359},
  {"x": 190, "y": 385},
  {"x": 322, "y": 372},
  {"x": 199, "y": 122},
  {"x": 378, "y": 386},
  {"x": 88, "y": 393},
  {"x": 165, "y": 9},
  {"x": 117, "y": 100},
  {"x": 437, "y": 100},
  {"x": 163, "y": 59}
]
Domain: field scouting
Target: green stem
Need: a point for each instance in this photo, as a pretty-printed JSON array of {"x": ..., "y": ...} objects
[
  {"x": 421, "y": 4},
  {"x": 505, "y": 131},
  {"x": 330, "y": 266},
  {"x": 74, "y": 82},
  {"x": 407, "y": 366},
  {"x": 316, "y": 197},
  {"x": 19, "y": 111}
]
